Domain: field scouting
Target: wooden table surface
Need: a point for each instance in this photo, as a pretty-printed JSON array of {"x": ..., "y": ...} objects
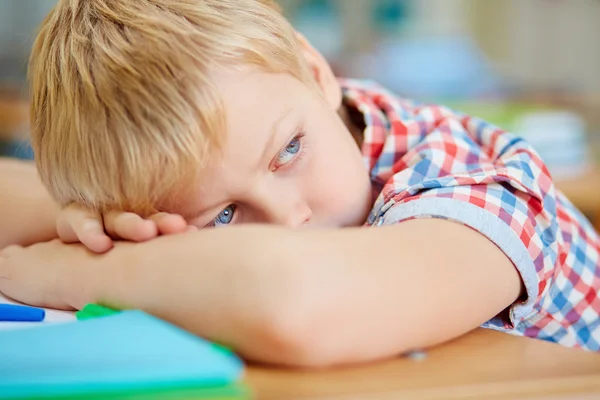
[
  {"x": 481, "y": 365},
  {"x": 584, "y": 190}
]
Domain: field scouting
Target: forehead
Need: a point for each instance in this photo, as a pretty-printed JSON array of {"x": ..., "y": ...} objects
[
  {"x": 253, "y": 100},
  {"x": 254, "y": 104}
]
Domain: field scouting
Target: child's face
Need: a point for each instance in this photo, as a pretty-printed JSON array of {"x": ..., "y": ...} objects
[{"x": 288, "y": 159}]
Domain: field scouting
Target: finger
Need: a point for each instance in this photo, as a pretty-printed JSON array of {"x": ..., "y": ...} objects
[
  {"x": 76, "y": 224},
  {"x": 191, "y": 228},
  {"x": 169, "y": 223},
  {"x": 129, "y": 226}
]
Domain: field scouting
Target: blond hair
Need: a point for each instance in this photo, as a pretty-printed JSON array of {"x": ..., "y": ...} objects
[{"x": 123, "y": 107}]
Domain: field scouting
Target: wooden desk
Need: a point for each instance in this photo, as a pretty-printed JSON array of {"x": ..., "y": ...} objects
[
  {"x": 481, "y": 365},
  {"x": 584, "y": 190}
]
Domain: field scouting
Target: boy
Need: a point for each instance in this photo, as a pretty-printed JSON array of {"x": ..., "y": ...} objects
[{"x": 162, "y": 118}]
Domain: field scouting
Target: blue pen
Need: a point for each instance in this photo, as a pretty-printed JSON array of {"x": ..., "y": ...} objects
[{"x": 12, "y": 312}]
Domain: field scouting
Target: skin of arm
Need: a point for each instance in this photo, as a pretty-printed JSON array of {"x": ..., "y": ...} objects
[
  {"x": 309, "y": 298},
  {"x": 27, "y": 212}
]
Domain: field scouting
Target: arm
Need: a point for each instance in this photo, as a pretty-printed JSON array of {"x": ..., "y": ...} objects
[
  {"x": 27, "y": 213},
  {"x": 312, "y": 298}
]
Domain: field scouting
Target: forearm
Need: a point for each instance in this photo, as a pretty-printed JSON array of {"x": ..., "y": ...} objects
[
  {"x": 274, "y": 295},
  {"x": 315, "y": 297},
  {"x": 227, "y": 285},
  {"x": 27, "y": 212}
]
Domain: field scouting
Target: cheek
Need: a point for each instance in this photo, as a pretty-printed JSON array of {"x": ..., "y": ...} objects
[
  {"x": 336, "y": 181},
  {"x": 337, "y": 185}
]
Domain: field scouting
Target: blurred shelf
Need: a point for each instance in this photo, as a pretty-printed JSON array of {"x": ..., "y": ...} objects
[{"x": 14, "y": 117}]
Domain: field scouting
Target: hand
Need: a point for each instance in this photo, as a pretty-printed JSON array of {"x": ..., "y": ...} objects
[
  {"x": 95, "y": 231},
  {"x": 46, "y": 274}
]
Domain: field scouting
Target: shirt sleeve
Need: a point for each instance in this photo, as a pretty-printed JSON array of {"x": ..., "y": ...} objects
[{"x": 466, "y": 170}]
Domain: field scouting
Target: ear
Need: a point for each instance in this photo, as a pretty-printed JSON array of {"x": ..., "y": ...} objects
[{"x": 322, "y": 73}]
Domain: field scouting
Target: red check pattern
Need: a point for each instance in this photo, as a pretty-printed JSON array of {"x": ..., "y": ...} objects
[{"x": 431, "y": 161}]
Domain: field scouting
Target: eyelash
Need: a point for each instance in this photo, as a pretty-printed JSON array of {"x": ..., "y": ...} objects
[{"x": 297, "y": 157}]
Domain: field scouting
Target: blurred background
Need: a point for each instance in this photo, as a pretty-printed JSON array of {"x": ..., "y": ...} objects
[{"x": 529, "y": 66}]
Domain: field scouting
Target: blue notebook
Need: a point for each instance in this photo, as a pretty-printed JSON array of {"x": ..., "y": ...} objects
[{"x": 130, "y": 351}]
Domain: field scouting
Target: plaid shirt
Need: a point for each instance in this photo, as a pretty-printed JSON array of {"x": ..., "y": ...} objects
[{"x": 430, "y": 161}]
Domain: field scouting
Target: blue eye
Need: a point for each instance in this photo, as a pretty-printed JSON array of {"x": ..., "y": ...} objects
[
  {"x": 289, "y": 152},
  {"x": 294, "y": 146},
  {"x": 225, "y": 216}
]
